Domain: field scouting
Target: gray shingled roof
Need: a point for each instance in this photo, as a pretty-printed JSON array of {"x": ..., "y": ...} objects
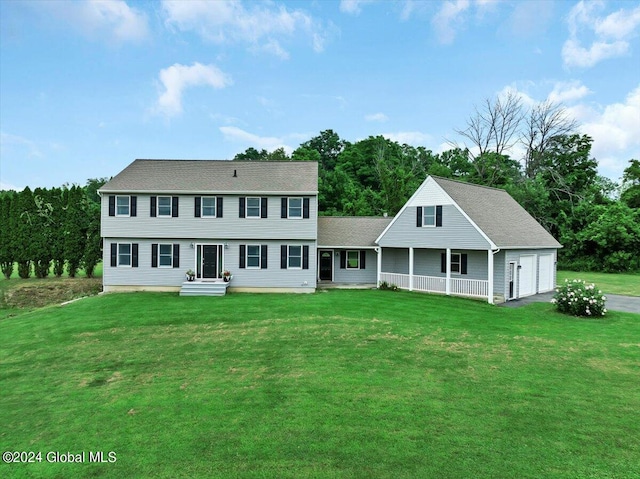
[
  {"x": 350, "y": 231},
  {"x": 498, "y": 215},
  {"x": 197, "y": 176}
]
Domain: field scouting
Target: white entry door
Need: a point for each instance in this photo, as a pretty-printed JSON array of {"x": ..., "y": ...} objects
[
  {"x": 545, "y": 280},
  {"x": 527, "y": 275}
]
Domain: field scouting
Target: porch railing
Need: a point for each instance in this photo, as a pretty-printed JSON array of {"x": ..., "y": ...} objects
[{"x": 437, "y": 284}]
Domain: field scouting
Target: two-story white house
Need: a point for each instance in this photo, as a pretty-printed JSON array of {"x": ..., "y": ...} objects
[{"x": 259, "y": 220}]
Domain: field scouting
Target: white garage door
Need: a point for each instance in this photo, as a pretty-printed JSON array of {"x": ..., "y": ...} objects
[
  {"x": 545, "y": 280},
  {"x": 527, "y": 275}
]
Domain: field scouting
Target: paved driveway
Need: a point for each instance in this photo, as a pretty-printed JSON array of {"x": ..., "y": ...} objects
[{"x": 615, "y": 302}]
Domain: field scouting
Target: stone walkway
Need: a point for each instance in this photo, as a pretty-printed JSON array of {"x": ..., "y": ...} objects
[{"x": 615, "y": 302}]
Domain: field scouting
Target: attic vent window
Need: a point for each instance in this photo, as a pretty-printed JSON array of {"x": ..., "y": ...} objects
[{"x": 235, "y": 173}]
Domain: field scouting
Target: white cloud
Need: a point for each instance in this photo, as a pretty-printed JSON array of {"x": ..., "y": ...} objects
[
  {"x": 176, "y": 78},
  {"x": 376, "y": 117},
  {"x": 448, "y": 18},
  {"x": 614, "y": 129},
  {"x": 353, "y": 7},
  {"x": 609, "y": 35},
  {"x": 415, "y": 138},
  {"x": 227, "y": 21},
  {"x": 17, "y": 144},
  {"x": 567, "y": 92},
  {"x": 113, "y": 19},
  {"x": 238, "y": 135}
]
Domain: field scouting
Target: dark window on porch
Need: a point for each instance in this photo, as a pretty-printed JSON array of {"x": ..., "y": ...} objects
[
  {"x": 353, "y": 259},
  {"x": 458, "y": 263}
]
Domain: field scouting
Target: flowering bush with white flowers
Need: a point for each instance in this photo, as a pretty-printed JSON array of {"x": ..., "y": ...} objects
[{"x": 579, "y": 299}]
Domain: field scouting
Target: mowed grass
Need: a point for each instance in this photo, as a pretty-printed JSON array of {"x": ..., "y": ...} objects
[
  {"x": 344, "y": 384},
  {"x": 610, "y": 283}
]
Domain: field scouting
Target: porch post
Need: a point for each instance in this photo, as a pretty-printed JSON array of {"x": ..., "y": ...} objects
[
  {"x": 379, "y": 265},
  {"x": 448, "y": 286},
  {"x": 411, "y": 269},
  {"x": 490, "y": 276}
]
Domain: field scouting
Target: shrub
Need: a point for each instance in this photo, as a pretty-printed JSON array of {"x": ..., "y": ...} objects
[
  {"x": 388, "y": 286},
  {"x": 579, "y": 299}
]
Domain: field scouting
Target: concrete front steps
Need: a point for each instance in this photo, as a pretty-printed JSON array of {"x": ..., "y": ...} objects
[{"x": 204, "y": 288}]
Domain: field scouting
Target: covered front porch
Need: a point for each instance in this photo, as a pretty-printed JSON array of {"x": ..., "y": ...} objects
[{"x": 467, "y": 273}]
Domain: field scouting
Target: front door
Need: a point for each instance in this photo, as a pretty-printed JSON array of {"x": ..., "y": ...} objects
[
  {"x": 512, "y": 280},
  {"x": 209, "y": 261},
  {"x": 326, "y": 265}
]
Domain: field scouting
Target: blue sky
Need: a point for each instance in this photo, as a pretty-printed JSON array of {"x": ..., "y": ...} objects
[{"x": 87, "y": 87}]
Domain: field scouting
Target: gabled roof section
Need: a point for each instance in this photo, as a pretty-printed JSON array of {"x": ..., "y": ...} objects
[
  {"x": 350, "y": 231},
  {"x": 216, "y": 176},
  {"x": 498, "y": 215}
]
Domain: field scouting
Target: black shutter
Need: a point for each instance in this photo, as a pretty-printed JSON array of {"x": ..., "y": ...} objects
[
  {"x": 219, "y": 207},
  {"x": 134, "y": 255},
  {"x": 112, "y": 205},
  {"x": 363, "y": 255},
  {"x": 305, "y": 207},
  {"x": 241, "y": 203},
  {"x": 263, "y": 256},
  {"x": 283, "y": 207},
  {"x": 176, "y": 255},
  {"x": 343, "y": 259},
  {"x": 134, "y": 206},
  {"x": 174, "y": 206},
  {"x": 283, "y": 256},
  {"x": 114, "y": 255},
  {"x": 443, "y": 262},
  {"x": 242, "y": 258},
  {"x": 154, "y": 201},
  {"x": 154, "y": 255},
  {"x": 463, "y": 264},
  {"x": 438, "y": 215},
  {"x": 197, "y": 207},
  {"x": 263, "y": 207},
  {"x": 305, "y": 257},
  {"x": 419, "y": 216}
]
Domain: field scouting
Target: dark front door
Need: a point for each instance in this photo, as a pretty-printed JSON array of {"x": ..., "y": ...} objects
[
  {"x": 326, "y": 265},
  {"x": 210, "y": 261}
]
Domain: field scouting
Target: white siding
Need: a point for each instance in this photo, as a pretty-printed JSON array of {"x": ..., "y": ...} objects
[
  {"x": 353, "y": 276},
  {"x": 229, "y": 227},
  {"x": 456, "y": 232}
]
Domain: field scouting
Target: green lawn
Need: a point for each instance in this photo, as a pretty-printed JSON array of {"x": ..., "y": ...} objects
[
  {"x": 626, "y": 284},
  {"x": 340, "y": 383}
]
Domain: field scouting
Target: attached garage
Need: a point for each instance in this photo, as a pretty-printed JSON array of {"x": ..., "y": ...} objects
[
  {"x": 546, "y": 270},
  {"x": 527, "y": 275}
]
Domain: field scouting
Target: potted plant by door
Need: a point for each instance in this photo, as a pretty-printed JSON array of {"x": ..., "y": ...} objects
[
  {"x": 191, "y": 275},
  {"x": 226, "y": 276}
]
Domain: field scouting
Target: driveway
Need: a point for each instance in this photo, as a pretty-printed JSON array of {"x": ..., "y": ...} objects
[{"x": 615, "y": 302}]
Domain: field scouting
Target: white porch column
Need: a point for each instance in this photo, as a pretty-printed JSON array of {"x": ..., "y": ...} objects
[
  {"x": 490, "y": 276},
  {"x": 411, "y": 269},
  {"x": 379, "y": 265},
  {"x": 448, "y": 286}
]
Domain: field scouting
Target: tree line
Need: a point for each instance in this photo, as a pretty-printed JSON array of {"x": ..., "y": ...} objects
[
  {"x": 48, "y": 231},
  {"x": 535, "y": 153}
]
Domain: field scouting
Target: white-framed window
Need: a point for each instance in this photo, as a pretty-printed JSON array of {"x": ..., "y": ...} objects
[
  {"x": 253, "y": 256},
  {"x": 456, "y": 262},
  {"x": 429, "y": 216},
  {"x": 294, "y": 257},
  {"x": 123, "y": 205},
  {"x": 253, "y": 207},
  {"x": 295, "y": 208},
  {"x": 124, "y": 254},
  {"x": 164, "y": 206},
  {"x": 353, "y": 259},
  {"x": 208, "y": 206},
  {"x": 165, "y": 255}
]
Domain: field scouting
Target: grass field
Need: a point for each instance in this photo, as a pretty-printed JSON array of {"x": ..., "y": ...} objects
[
  {"x": 625, "y": 284},
  {"x": 334, "y": 384}
]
